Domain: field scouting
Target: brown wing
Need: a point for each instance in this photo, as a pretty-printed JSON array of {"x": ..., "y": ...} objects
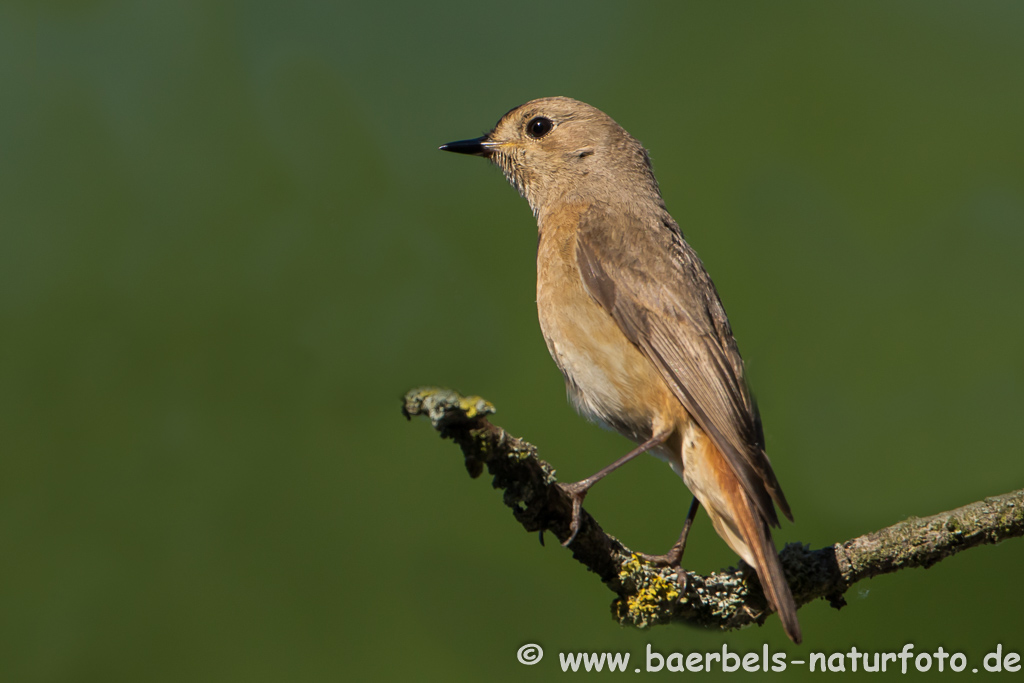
[{"x": 656, "y": 289}]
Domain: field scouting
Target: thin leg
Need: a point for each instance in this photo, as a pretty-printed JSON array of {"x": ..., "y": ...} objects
[
  {"x": 674, "y": 557},
  {"x": 578, "y": 491}
]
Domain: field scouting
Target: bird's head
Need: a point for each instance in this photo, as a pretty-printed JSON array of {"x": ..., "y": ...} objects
[{"x": 557, "y": 149}]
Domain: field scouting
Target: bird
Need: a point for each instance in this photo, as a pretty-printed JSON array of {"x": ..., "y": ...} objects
[{"x": 634, "y": 322}]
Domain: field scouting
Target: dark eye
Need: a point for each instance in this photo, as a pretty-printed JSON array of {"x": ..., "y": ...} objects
[{"x": 539, "y": 126}]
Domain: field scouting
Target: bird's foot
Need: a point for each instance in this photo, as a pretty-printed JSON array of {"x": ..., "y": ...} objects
[
  {"x": 672, "y": 558},
  {"x": 669, "y": 559},
  {"x": 576, "y": 492}
]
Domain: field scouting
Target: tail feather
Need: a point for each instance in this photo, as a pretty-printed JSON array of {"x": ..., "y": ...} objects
[
  {"x": 769, "y": 568},
  {"x": 739, "y": 522}
]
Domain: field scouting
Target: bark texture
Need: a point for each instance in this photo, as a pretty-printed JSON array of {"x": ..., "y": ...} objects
[{"x": 728, "y": 599}]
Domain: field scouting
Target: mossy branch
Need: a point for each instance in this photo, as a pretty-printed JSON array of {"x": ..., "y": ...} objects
[{"x": 649, "y": 595}]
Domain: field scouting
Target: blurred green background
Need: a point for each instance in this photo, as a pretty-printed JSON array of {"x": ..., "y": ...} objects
[{"x": 228, "y": 245}]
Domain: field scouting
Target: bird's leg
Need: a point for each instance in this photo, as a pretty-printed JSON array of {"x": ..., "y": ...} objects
[
  {"x": 578, "y": 491},
  {"x": 674, "y": 557}
]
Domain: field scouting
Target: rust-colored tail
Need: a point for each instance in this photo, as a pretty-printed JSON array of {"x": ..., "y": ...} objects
[
  {"x": 767, "y": 565},
  {"x": 740, "y": 523}
]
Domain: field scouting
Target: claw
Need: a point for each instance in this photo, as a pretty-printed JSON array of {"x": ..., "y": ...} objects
[
  {"x": 683, "y": 580},
  {"x": 578, "y": 490},
  {"x": 674, "y": 557},
  {"x": 575, "y": 529},
  {"x": 577, "y": 493}
]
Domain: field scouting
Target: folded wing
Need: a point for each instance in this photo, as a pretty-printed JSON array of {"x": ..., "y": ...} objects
[{"x": 662, "y": 298}]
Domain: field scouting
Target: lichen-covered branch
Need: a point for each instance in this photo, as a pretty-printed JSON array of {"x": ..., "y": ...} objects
[{"x": 649, "y": 595}]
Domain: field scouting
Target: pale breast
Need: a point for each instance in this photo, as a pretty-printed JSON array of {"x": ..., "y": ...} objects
[{"x": 609, "y": 380}]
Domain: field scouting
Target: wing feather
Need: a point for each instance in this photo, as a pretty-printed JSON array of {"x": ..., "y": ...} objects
[{"x": 662, "y": 298}]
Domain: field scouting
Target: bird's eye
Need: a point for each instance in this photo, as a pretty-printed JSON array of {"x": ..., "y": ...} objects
[{"x": 539, "y": 126}]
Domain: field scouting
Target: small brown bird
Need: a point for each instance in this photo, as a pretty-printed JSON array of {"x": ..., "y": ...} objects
[{"x": 633, "y": 320}]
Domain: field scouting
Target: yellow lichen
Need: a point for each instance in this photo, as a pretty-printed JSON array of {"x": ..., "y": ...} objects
[
  {"x": 650, "y": 589},
  {"x": 475, "y": 405}
]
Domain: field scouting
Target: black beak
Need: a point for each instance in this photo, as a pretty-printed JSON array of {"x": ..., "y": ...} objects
[{"x": 474, "y": 146}]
